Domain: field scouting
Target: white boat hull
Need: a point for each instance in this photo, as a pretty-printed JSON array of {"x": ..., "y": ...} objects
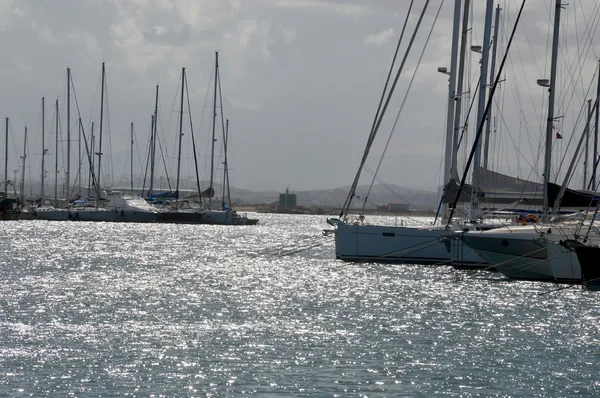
[
  {"x": 389, "y": 244},
  {"x": 526, "y": 253}
]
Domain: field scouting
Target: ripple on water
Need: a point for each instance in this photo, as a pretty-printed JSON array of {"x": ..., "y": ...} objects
[{"x": 115, "y": 309}]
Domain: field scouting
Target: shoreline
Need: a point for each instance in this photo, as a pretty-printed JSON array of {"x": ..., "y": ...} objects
[{"x": 331, "y": 211}]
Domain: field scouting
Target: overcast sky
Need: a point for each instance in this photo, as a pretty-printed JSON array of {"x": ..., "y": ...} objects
[{"x": 300, "y": 81}]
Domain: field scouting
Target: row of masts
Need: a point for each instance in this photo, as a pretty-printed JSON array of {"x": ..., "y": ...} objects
[
  {"x": 94, "y": 155},
  {"x": 455, "y": 93}
]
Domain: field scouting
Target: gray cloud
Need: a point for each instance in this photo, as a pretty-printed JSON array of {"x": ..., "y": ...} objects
[{"x": 300, "y": 81}]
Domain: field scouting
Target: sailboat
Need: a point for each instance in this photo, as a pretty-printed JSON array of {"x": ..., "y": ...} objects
[
  {"x": 535, "y": 252},
  {"x": 201, "y": 215},
  {"x": 110, "y": 205},
  {"x": 356, "y": 241},
  {"x": 7, "y": 204}
]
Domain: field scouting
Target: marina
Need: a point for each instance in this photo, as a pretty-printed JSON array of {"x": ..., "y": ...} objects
[{"x": 300, "y": 198}]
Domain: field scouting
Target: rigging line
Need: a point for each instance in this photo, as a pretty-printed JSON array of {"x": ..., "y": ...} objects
[
  {"x": 516, "y": 147},
  {"x": 164, "y": 137},
  {"x": 87, "y": 151},
  {"x": 597, "y": 12},
  {"x": 373, "y": 132},
  {"x": 570, "y": 72},
  {"x": 137, "y": 147},
  {"x": 517, "y": 93},
  {"x": 223, "y": 147},
  {"x": 518, "y": 98},
  {"x": 403, "y": 102},
  {"x": 485, "y": 113},
  {"x": 466, "y": 124},
  {"x": 202, "y": 120},
  {"x": 13, "y": 141},
  {"x": 577, "y": 121},
  {"x": 396, "y": 81},
  {"x": 148, "y": 155},
  {"x": 108, "y": 133},
  {"x": 391, "y": 190},
  {"x": 576, "y": 60},
  {"x": 193, "y": 142}
]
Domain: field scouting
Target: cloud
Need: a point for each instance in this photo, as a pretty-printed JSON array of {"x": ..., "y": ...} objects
[
  {"x": 379, "y": 38},
  {"x": 301, "y": 80}
]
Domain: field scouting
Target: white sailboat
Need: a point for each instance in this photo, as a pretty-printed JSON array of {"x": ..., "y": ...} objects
[
  {"x": 356, "y": 241},
  {"x": 536, "y": 252}
]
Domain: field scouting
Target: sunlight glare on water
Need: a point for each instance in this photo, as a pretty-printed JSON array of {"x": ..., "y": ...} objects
[{"x": 92, "y": 309}]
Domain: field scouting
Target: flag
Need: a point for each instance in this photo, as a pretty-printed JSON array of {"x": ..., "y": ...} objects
[{"x": 558, "y": 136}]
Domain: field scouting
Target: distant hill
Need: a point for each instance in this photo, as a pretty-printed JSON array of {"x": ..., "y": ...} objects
[{"x": 335, "y": 197}]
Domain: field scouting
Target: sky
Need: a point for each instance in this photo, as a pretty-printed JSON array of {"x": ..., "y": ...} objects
[{"x": 300, "y": 82}]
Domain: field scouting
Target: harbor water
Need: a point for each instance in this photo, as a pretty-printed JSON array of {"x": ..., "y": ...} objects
[{"x": 104, "y": 309}]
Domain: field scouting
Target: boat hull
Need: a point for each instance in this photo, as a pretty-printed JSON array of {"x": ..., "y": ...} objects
[
  {"x": 113, "y": 216},
  {"x": 51, "y": 214},
  {"x": 211, "y": 217},
  {"x": 589, "y": 260},
  {"x": 514, "y": 257},
  {"x": 179, "y": 217},
  {"x": 404, "y": 245},
  {"x": 526, "y": 253}
]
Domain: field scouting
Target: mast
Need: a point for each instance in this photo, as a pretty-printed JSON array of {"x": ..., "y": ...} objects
[
  {"x": 131, "y": 171},
  {"x": 586, "y": 155},
  {"x": 80, "y": 159},
  {"x": 596, "y": 131},
  {"x": 459, "y": 88},
  {"x": 551, "y": 94},
  {"x": 212, "y": 151},
  {"x": 481, "y": 106},
  {"x": 226, "y": 143},
  {"x": 92, "y": 148},
  {"x": 153, "y": 131},
  {"x": 451, "y": 98},
  {"x": 56, "y": 159},
  {"x": 225, "y": 158},
  {"x": 23, "y": 168},
  {"x": 6, "y": 156},
  {"x": 193, "y": 144},
  {"x": 490, "y": 119},
  {"x": 100, "y": 138},
  {"x": 68, "y": 171},
  {"x": 43, "y": 149},
  {"x": 180, "y": 134}
]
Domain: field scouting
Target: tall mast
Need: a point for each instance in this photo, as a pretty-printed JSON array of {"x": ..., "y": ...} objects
[
  {"x": 99, "y": 187},
  {"x": 586, "y": 156},
  {"x": 131, "y": 171},
  {"x": 490, "y": 119},
  {"x": 153, "y": 134},
  {"x": 596, "y": 132},
  {"x": 226, "y": 143},
  {"x": 551, "y": 94},
  {"x": 481, "y": 105},
  {"x": 6, "y": 157},
  {"x": 92, "y": 148},
  {"x": 225, "y": 158},
  {"x": 68, "y": 171},
  {"x": 212, "y": 151},
  {"x": 180, "y": 133},
  {"x": 451, "y": 97},
  {"x": 43, "y": 148},
  {"x": 459, "y": 87},
  {"x": 56, "y": 158},
  {"x": 23, "y": 168},
  {"x": 79, "y": 160}
]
